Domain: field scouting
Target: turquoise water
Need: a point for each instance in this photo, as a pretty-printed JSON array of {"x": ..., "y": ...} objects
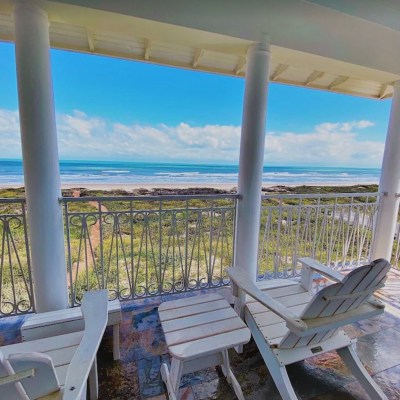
[{"x": 147, "y": 173}]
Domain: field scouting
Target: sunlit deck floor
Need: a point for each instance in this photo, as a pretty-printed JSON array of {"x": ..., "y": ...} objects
[{"x": 143, "y": 349}]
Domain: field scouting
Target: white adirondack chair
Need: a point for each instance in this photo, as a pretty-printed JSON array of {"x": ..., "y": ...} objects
[
  {"x": 290, "y": 324},
  {"x": 57, "y": 367}
]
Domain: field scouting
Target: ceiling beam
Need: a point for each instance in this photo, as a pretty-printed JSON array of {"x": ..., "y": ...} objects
[
  {"x": 241, "y": 65},
  {"x": 383, "y": 90},
  {"x": 313, "y": 77},
  {"x": 90, "y": 40},
  {"x": 279, "y": 71},
  {"x": 338, "y": 81},
  {"x": 196, "y": 59},
  {"x": 147, "y": 49}
]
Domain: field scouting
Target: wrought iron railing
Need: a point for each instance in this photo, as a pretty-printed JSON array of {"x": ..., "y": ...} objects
[
  {"x": 336, "y": 229},
  {"x": 146, "y": 246},
  {"x": 16, "y": 293}
]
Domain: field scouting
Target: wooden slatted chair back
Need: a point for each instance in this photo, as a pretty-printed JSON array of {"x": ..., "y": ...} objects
[{"x": 355, "y": 289}]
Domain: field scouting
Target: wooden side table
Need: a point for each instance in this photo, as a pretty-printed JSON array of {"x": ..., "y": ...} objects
[{"x": 199, "y": 331}]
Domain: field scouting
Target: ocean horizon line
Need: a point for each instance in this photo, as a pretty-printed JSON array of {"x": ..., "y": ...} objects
[
  {"x": 188, "y": 163},
  {"x": 122, "y": 172}
]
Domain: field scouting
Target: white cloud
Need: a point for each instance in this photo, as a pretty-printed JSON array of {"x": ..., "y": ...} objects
[
  {"x": 87, "y": 137},
  {"x": 79, "y": 123},
  {"x": 335, "y": 144},
  {"x": 10, "y": 142}
]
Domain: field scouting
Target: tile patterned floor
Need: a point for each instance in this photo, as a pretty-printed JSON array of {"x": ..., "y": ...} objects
[{"x": 136, "y": 376}]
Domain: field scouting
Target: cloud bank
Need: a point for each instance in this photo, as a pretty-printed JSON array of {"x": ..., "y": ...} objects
[{"x": 81, "y": 137}]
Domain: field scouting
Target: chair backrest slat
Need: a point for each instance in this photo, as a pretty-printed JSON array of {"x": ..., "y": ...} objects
[
  {"x": 376, "y": 279},
  {"x": 354, "y": 290},
  {"x": 349, "y": 285}
]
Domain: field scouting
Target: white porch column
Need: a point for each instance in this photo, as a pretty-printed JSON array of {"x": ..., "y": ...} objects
[
  {"x": 386, "y": 221},
  {"x": 40, "y": 156},
  {"x": 252, "y": 157}
]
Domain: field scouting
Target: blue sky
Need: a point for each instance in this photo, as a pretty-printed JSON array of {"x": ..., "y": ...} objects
[{"x": 112, "y": 109}]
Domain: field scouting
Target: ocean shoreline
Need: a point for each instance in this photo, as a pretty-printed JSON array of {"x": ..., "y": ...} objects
[
  {"x": 102, "y": 175},
  {"x": 188, "y": 185}
]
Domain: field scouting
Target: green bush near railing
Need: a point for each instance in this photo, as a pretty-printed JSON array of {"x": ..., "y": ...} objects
[{"x": 139, "y": 247}]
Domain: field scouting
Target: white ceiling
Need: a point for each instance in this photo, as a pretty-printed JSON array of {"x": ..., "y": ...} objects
[{"x": 342, "y": 46}]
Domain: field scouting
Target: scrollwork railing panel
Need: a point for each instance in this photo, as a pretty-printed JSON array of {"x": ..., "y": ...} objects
[
  {"x": 139, "y": 247},
  {"x": 16, "y": 294}
]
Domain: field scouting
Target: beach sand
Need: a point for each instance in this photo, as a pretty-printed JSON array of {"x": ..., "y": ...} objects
[{"x": 189, "y": 185}]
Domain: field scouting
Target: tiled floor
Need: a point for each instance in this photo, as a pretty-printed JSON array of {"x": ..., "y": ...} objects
[{"x": 136, "y": 375}]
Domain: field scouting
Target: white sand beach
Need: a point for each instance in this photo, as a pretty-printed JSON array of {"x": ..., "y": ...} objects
[{"x": 188, "y": 185}]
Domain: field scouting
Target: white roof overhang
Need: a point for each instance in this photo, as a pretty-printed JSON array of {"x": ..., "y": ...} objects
[{"x": 312, "y": 45}]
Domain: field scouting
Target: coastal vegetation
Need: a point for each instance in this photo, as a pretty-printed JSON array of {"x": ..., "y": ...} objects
[{"x": 138, "y": 248}]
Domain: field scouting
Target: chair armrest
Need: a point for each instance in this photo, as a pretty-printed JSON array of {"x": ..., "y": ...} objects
[
  {"x": 244, "y": 282},
  {"x": 321, "y": 268},
  {"x": 95, "y": 314},
  {"x": 373, "y": 301}
]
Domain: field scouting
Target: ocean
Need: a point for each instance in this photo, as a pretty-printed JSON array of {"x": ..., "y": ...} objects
[{"x": 105, "y": 172}]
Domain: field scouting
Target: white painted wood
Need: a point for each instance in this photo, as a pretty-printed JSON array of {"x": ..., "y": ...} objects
[
  {"x": 350, "y": 357},
  {"x": 270, "y": 318},
  {"x": 62, "y": 355},
  {"x": 350, "y": 284},
  {"x": 203, "y": 331},
  {"x": 43, "y": 345},
  {"x": 61, "y": 371},
  {"x": 14, "y": 391},
  {"x": 289, "y": 356},
  {"x": 176, "y": 373},
  {"x": 235, "y": 289},
  {"x": 306, "y": 277},
  {"x": 192, "y": 310},
  {"x": 277, "y": 371},
  {"x": 274, "y": 331},
  {"x": 277, "y": 293},
  {"x": 275, "y": 283},
  {"x": 322, "y": 315},
  {"x": 189, "y": 301},
  {"x": 45, "y": 380},
  {"x": 330, "y": 311},
  {"x": 230, "y": 377},
  {"x": 166, "y": 377},
  {"x": 66, "y": 315},
  {"x": 354, "y": 295},
  {"x": 197, "y": 338},
  {"x": 251, "y": 157},
  {"x": 200, "y": 319},
  {"x": 200, "y": 363},
  {"x": 210, "y": 345},
  {"x": 288, "y": 302},
  {"x": 374, "y": 280},
  {"x": 93, "y": 381},
  {"x": 94, "y": 310},
  {"x": 321, "y": 268},
  {"x": 242, "y": 279},
  {"x": 53, "y": 323},
  {"x": 64, "y": 359}
]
